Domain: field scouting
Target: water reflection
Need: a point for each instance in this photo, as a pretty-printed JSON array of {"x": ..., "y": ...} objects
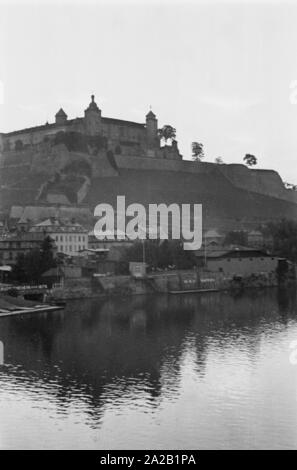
[{"x": 100, "y": 358}]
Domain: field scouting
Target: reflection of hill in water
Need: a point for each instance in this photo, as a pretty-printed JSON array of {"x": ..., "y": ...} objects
[{"x": 102, "y": 351}]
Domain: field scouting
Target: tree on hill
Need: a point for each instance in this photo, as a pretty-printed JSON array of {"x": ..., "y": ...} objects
[
  {"x": 250, "y": 160},
  {"x": 167, "y": 133},
  {"x": 219, "y": 160},
  {"x": 197, "y": 151}
]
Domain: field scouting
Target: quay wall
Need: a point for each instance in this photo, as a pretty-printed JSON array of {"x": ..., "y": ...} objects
[{"x": 157, "y": 283}]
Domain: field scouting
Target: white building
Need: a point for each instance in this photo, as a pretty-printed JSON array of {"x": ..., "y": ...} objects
[{"x": 70, "y": 237}]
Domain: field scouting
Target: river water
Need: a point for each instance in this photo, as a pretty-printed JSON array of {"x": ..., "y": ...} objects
[{"x": 207, "y": 371}]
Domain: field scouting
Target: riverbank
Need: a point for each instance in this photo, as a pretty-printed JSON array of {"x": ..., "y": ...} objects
[{"x": 161, "y": 282}]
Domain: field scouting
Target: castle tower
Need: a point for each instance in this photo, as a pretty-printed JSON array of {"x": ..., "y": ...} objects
[
  {"x": 61, "y": 117},
  {"x": 93, "y": 118},
  {"x": 151, "y": 130}
]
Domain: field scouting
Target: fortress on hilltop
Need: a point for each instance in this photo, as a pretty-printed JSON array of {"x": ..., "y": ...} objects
[
  {"x": 74, "y": 164},
  {"x": 123, "y": 137}
]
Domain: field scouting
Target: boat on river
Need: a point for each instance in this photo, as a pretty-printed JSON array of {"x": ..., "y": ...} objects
[
  {"x": 24, "y": 310},
  {"x": 192, "y": 291},
  {"x": 19, "y": 306}
]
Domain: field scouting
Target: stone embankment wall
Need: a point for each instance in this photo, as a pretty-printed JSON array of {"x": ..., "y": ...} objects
[{"x": 157, "y": 283}]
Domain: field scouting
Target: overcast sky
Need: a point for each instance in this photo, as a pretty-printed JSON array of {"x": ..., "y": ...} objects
[{"x": 219, "y": 72}]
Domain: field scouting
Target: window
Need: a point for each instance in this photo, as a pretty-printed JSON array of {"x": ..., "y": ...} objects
[{"x": 61, "y": 238}]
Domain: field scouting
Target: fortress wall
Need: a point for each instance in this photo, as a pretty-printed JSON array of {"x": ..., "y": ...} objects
[
  {"x": 36, "y": 135},
  {"x": 267, "y": 182},
  {"x": 101, "y": 166},
  {"x": 114, "y": 132},
  {"x": 147, "y": 163},
  {"x": 30, "y": 137},
  {"x": 50, "y": 160},
  {"x": 16, "y": 157},
  {"x": 291, "y": 195},
  {"x": 224, "y": 190},
  {"x": 118, "y": 132}
]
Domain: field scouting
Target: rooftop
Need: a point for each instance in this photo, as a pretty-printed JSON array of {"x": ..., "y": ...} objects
[
  {"x": 24, "y": 237},
  {"x": 54, "y": 225},
  {"x": 233, "y": 252},
  {"x": 61, "y": 112},
  {"x": 213, "y": 234}
]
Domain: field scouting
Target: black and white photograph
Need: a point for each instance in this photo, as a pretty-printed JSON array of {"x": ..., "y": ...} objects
[{"x": 148, "y": 228}]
